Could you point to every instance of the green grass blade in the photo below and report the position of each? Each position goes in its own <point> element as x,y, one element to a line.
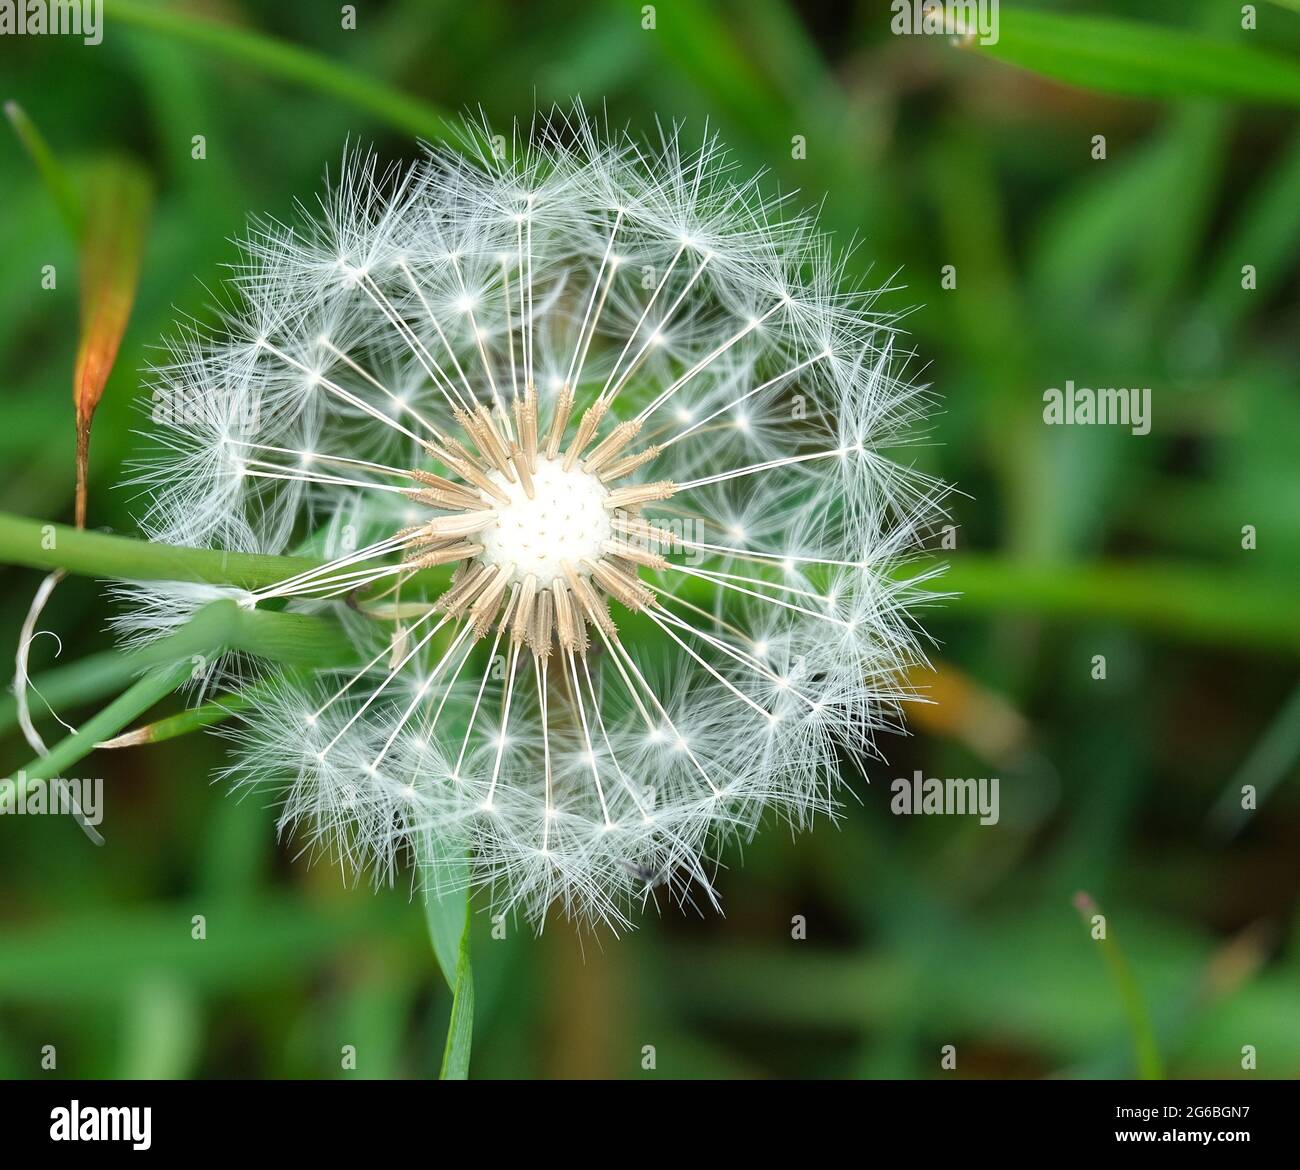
<point>83,681</point>
<point>1141,60</point>
<point>447,914</point>
<point>1266,234</point>
<point>183,722</point>
<point>39,544</point>
<point>1272,760</point>
<point>220,626</point>
<point>72,749</point>
<point>52,173</point>
<point>1203,605</point>
<point>1146,1052</point>
<point>460,1031</point>
<point>290,639</point>
<point>296,638</point>
<point>289,62</point>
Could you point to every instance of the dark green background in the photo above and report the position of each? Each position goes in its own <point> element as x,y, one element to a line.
<point>921,933</point>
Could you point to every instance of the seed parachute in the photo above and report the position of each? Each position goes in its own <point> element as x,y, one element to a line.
<point>594,443</point>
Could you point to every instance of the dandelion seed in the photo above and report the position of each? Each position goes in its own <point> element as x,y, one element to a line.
<point>614,596</point>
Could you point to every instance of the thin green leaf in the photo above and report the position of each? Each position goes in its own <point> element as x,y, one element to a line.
<point>1141,60</point>
<point>460,1030</point>
<point>294,639</point>
<point>447,913</point>
<point>1202,604</point>
<point>1145,1050</point>
<point>182,723</point>
<point>83,681</point>
<point>1207,605</point>
<point>223,625</point>
<point>1172,241</point>
<point>51,171</point>
<point>278,637</point>
<point>1265,233</point>
<point>1271,760</point>
<point>1091,231</point>
<point>289,638</point>
<point>290,63</point>
<point>72,749</point>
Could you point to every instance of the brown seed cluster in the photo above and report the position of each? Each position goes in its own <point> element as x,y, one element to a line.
<point>469,501</point>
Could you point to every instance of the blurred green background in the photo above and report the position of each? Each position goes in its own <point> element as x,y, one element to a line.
<point>1071,542</point>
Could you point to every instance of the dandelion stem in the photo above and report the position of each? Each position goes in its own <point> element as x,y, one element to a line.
<point>40,545</point>
<point>1214,607</point>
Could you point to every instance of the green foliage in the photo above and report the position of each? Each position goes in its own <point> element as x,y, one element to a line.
<point>1142,59</point>
<point>448,914</point>
<point>1072,542</point>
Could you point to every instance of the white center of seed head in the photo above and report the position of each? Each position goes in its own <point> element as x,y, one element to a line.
<point>565,520</point>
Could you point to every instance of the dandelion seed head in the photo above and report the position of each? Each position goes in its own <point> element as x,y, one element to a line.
<point>597,440</point>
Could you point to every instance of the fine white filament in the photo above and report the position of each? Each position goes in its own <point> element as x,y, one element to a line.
<point>590,440</point>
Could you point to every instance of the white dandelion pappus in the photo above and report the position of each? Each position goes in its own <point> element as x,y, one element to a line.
<point>592,442</point>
